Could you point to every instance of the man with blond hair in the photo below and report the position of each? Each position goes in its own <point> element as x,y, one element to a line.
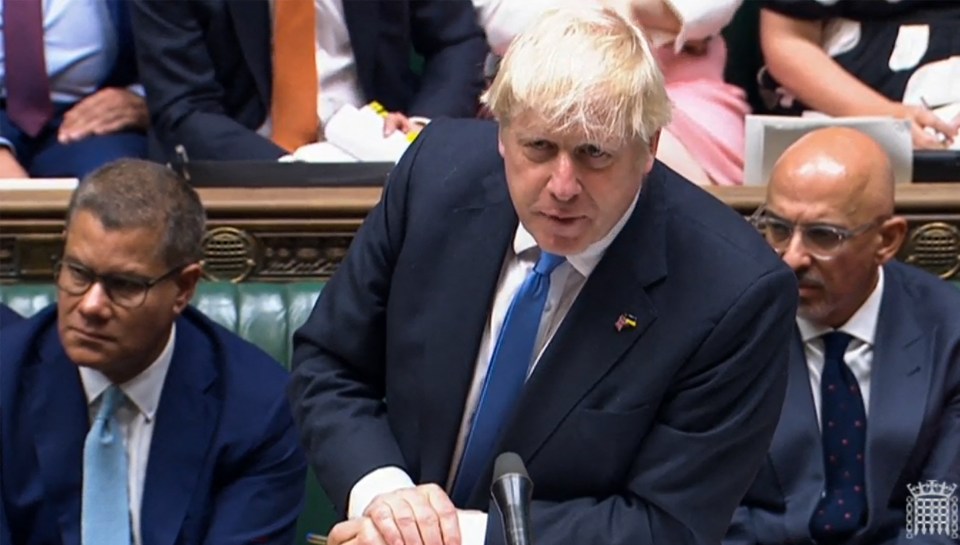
<point>567,299</point>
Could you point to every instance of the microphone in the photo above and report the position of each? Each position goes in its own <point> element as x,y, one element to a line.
<point>511,491</point>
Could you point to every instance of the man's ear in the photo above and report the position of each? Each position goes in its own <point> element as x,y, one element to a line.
<point>892,234</point>
<point>186,283</point>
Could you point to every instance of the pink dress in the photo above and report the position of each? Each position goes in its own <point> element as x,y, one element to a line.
<point>708,114</point>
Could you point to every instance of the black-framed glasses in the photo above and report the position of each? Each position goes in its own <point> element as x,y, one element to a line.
<point>822,240</point>
<point>127,291</point>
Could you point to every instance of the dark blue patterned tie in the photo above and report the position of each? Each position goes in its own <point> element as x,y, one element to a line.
<point>508,370</point>
<point>843,507</point>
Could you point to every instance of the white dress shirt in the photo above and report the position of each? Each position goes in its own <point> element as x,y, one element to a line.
<point>336,66</point>
<point>566,281</point>
<point>79,47</point>
<point>136,416</point>
<point>862,326</point>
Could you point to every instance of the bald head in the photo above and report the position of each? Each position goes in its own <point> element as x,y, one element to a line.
<point>834,187</point>
<point>837,166</point>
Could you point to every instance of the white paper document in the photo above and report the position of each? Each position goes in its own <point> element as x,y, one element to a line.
<point>354,135</point>
<point>35,184</point>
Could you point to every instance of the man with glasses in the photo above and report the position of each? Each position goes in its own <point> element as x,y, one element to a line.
<point>127,416</point>
<point>873,398</point>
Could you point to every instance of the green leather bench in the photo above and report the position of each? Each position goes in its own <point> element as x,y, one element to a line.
<point>264,314</point>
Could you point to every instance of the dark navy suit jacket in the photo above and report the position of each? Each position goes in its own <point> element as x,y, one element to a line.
<point>913,423</point>
<point>224,466</point>
<point>124,70</point>
<point>647,435</point>
<point>206,66</point>
<point>8,316</point>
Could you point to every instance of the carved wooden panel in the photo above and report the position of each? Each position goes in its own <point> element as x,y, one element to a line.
<point>286,234</point>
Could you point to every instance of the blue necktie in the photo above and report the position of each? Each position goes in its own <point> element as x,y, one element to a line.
<point>105,513</point>
<point>843,507</point>
<point>505,377</point>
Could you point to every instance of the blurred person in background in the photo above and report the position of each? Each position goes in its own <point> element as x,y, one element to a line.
<point>70,102</point>
<point>895,58</point>
<point>257,79</point>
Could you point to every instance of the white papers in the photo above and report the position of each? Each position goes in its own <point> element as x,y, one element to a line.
<point>768,136</point>
<point>354,135</point>
<point>38,184</point>
<point>320,152</point>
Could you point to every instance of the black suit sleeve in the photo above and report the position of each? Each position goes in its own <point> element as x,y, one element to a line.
<point>183,94</point>
<point>453,45</point>
<point>8,315</point>
<point>337,386</point>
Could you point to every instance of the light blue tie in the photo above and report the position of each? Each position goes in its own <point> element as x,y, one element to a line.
<point>105,513</point>
<point>505,377</point>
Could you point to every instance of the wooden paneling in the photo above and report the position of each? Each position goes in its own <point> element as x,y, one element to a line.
<point>288,233</point>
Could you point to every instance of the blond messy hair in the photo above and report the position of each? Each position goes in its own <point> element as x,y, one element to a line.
<point>586,69</point>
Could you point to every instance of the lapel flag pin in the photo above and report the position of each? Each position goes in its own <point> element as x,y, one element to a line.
<point>626,320</point>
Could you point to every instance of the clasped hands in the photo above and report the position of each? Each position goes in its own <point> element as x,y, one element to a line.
<point>423,515</point>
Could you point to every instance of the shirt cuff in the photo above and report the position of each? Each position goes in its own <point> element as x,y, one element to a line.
<point>473,524</point>
<point>379,481</point>
<point>473,527</point>
<point>137,89</point>
<point>4,143</point>
<point>699,19</point>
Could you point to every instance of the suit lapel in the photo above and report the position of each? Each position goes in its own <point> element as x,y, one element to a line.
<point>489,224</point>
<point>255,41</point>
<point>60,419</point>
<point>900,382</point>
<point>362,18</point>
<point>796,451</point>
<point>185,424</point>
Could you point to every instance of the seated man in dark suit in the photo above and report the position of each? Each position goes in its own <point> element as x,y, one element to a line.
<point>872,414</point>
<point>235,80</point>
<point>70,102</point>
<point>8,315</point>
<point>641,396</point>
<point>127,416</point>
